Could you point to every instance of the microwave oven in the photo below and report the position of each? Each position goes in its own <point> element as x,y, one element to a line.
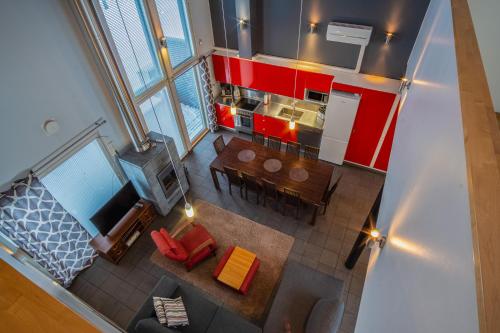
<point>315,96</point>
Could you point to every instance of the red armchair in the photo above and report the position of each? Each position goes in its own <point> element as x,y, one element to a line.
<point>193,247</point>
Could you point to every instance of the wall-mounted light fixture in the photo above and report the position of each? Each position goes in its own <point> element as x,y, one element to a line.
<point>376,238</point>
<point>388,37</point>
<point>312,27</point>
<point>405,83</point>
<point>243,23</point>
<point>163,41</point>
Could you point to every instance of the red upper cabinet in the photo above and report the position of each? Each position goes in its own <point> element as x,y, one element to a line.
<point>269,78</point>
<point>221,69</point>
<point>313,81</point>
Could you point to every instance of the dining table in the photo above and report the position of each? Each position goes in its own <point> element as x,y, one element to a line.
<point>311,178</point>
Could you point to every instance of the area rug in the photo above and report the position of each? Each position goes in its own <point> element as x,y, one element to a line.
<point>272,248</point>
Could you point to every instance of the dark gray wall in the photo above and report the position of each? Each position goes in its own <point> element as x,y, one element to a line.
<point>279,28</point>
<point>218,23</point>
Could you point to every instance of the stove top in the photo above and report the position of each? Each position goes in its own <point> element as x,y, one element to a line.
<point>247,104</point>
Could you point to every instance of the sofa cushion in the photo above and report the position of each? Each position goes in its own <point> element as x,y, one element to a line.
<point>325,316</point>
<point>227,321</point>
<point>151,325</point>
<point>164,288</point>
<point>199,308</point>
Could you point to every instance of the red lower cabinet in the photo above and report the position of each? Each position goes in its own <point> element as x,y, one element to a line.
<point>274,127</point>
<point>224,117</point>
<point>278,127</point>
<point>259,123</point>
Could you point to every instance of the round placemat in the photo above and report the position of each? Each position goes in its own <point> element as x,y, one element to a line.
<point>299,174</point>
<point>272,165</point>
<point>246,155</point>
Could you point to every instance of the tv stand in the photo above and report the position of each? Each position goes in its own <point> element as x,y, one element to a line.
<point>115,244</point>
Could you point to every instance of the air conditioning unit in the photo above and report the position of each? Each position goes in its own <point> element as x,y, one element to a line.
<point>349,33</point>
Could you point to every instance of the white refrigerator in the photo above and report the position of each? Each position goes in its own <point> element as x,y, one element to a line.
<point>339,119</point>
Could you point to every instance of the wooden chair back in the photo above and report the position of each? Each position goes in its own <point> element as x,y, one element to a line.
<point>232,175</point>
<point>311,153</point>
<point>250,181</point>
<point>292,197</point>
<point>293,148</point>
<point>274,143</point>
<point>219,144</point>
<point>269,187</point>
<point>258,138</point>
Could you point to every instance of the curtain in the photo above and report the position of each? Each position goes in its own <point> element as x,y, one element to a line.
<point>38,224</point>
<point>207,95</point>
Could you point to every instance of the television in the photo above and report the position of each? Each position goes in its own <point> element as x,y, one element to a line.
<point>111,213</point>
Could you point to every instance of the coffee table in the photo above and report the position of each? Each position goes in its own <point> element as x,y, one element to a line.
<point>237,268</point>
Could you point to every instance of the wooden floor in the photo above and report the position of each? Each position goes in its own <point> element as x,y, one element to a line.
<point>26,308</point>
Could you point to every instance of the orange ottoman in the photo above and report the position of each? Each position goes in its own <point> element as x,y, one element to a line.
<point>237,268</point>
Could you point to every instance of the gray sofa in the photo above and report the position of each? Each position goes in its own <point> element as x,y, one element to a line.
<point>307,299</point>
<point>204,315</point>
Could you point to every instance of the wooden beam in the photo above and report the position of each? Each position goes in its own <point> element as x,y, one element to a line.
<point>24,307</point>
<point>482,146</point>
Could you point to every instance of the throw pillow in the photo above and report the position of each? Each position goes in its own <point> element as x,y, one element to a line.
<point>160,310</point>
<point>325,316</point>
<point>175,312</point>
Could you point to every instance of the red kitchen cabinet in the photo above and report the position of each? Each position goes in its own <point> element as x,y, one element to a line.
<point>224,117</point>
<point>382,161</point>
<point>274,127</point>
<point>313,81</point>
<point>278,127</point>
<point>369,123</point>
<point>269,78</point>
<point>259,123</point>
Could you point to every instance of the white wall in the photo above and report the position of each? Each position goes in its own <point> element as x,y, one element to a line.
<point>201,22</point>
<point>487,25</point>
<point>423,279</point>
<point>46,72</point>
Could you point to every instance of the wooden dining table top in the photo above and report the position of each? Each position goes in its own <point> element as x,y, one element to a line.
<point>311,190</point>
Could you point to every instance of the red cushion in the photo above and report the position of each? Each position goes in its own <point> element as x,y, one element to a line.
<point>198,257</point>
<point>164,246</point>
<point>223,261</point>
<point>250,275</point>
<point>173,243</point>
<point>194,237</point>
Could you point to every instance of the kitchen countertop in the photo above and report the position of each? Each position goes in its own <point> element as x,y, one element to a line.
<point>273,109</point>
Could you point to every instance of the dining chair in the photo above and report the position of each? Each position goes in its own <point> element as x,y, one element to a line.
<point>250,183</point>
<point>274,143</point>
<point>311,153</point>
<point>291,199</point>
<point>233,178</point>
<point>293,148</point>
<point>270,191</point>
<point>219,144</point>
<point>258,138</point>
<point>327,196</point>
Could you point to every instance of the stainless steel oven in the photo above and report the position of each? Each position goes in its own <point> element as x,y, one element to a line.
<point>243,121</point>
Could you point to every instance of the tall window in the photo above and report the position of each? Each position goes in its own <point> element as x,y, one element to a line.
<point>164,85</point>
<point>83,183</point>
<point>174,24</point>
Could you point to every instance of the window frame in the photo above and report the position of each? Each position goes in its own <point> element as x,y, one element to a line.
<point>168,73</point>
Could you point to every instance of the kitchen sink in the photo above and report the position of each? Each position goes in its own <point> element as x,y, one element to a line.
<point>287,113</point>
